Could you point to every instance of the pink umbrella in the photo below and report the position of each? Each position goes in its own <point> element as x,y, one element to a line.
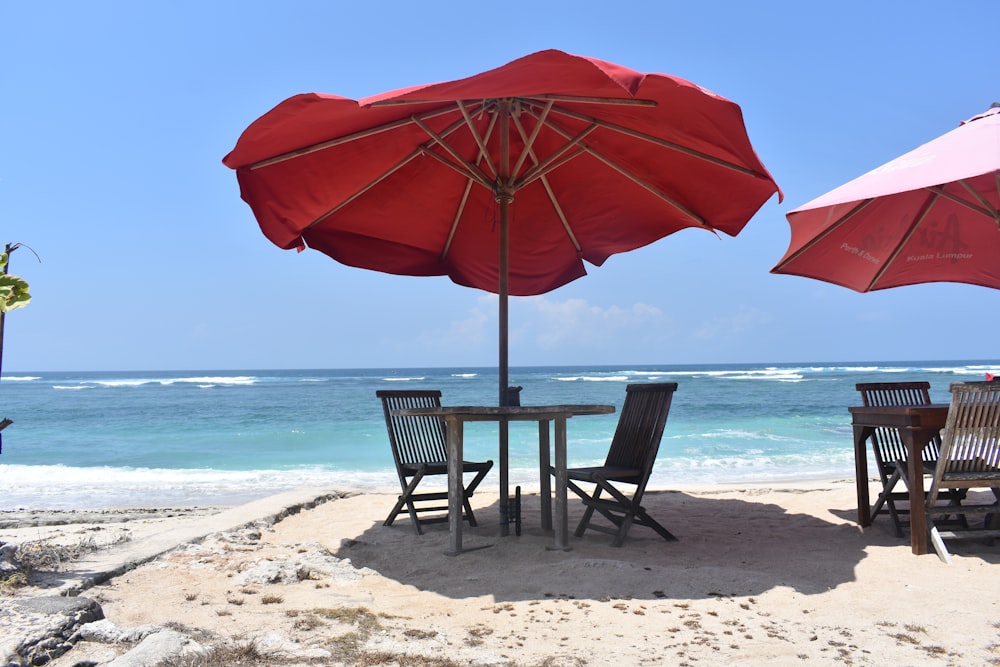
<point>931,215</point>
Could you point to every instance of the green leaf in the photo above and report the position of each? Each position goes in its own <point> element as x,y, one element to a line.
<point>13,291</point>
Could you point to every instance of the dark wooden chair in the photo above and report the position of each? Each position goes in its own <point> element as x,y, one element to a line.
<point>629,463</point>
<point>969,459</point>
<point>419,450</point>
<point>888,448</point>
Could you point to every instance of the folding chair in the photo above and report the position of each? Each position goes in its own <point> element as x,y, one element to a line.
<point>890,454</point>
<point>629,462</point>
<point>419,450</point>
<point>969,458</point>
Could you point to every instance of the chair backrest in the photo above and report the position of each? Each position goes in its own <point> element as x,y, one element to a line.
<point>640,426</point>
<point>886,441</point>
<point>417,439</point>
<point>970,446</point>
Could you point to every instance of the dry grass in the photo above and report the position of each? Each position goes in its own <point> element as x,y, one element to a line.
<point>48,555</point>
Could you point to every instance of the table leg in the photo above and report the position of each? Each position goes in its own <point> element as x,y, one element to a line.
<point>861,435</point>
<point>504,480</point>
<point>455,489</point>
<point>915,442</point>
<point>562,515</point>
<point>544,477</point>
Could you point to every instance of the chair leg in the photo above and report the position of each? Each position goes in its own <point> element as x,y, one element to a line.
<point>643,519</point>
<point>622,513</point>
<point>885,498</point>
<point>587,513</point>
<point>470,517</point>
<point>406,499</point>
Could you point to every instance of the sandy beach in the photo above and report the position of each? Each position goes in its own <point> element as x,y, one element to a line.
<point>777,574</point>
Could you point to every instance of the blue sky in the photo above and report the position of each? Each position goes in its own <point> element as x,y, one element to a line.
<point>116,115</point>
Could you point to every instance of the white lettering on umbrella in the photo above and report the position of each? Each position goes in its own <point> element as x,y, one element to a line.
<point>953,256</point>
<point>860,252</point>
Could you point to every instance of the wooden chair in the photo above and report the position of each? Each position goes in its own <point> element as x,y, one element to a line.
<point>419,450</point>
<point>969,459</point>
<point>629,462</point>
<point>890,454</point>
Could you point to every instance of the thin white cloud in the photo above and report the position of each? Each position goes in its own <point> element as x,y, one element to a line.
<point>734,325</point>
<point>577,323</point>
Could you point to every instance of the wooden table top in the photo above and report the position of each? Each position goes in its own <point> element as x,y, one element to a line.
<point>933,415</point>
<point>513,412</point>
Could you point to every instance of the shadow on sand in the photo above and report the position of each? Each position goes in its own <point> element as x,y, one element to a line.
<point>740,546</point>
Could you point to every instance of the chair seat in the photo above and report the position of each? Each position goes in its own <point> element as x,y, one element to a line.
<point>441,467</point>
<point>611,473</point>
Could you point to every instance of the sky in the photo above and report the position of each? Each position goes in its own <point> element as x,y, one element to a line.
<point>115,116</point>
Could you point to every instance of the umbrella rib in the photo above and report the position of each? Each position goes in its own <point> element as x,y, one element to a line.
<point>826,232</point>
<point>632,177</point>
<point>454,222</point>
<point>480,141</point>
<point>421,150</point>
<point>465,195</point>
<point>463,167</point>
<point>660,142</point>
<point>649,186</point>
<point>530,151</point>
<point>906,238</point>
<point>988,209</point>
<point>399,165</point>
<point>557,159</point>
<point>529,142</point>
<point>344,140</point>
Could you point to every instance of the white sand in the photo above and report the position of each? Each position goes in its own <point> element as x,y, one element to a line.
<point>760,575</point>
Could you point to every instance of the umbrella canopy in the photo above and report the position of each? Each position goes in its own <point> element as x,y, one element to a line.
<point>930,215</point>
<point>506,181</point>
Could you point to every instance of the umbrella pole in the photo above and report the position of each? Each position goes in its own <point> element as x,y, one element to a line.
<point>504,198</point>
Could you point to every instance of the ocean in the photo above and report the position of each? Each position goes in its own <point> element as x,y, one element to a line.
<point>204,438</point>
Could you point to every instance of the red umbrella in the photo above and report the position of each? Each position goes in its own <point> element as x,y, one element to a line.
<point>505,181</point>
<point>931,215</point>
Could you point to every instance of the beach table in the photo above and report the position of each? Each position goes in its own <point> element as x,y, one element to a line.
<point>917,424</point>
<point>455,418</point>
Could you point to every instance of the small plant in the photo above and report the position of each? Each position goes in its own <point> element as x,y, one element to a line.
<point>307,623</point>
<point>240,653</point>
<point>12,582</point>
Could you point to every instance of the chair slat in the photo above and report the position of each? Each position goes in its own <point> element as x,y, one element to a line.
<point>969,458</point>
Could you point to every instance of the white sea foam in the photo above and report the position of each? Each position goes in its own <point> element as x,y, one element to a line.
<point>405,379</point>
<point>121,383</point>
<point>221,379</point>
<point>594,378</point>
<point>20,378</point>
<point>66,487</point>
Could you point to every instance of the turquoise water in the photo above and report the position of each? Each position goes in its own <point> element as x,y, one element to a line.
<point>117,439</point>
